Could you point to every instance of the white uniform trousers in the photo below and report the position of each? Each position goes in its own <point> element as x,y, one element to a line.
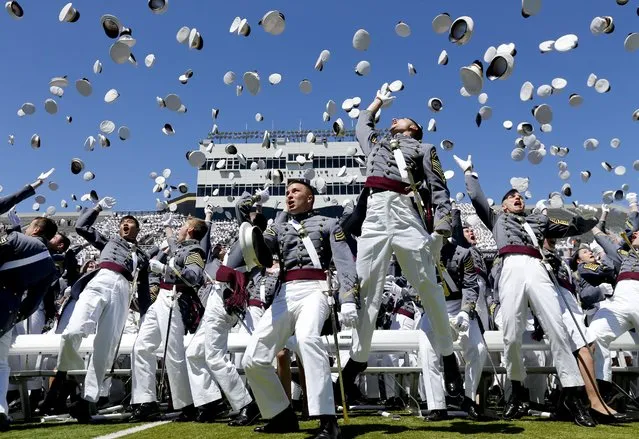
<point>474,354</point>
<point>393,225</point>
<point>301,308</point>
<point>252,316</point>
<point>524,280</point>
<point>65,315</point>
<point>5,370</point>
<point>208,366</point>
<point>151,336</point>
<point>578,330</point>
<point>102,308</point>
<point>615,316</point>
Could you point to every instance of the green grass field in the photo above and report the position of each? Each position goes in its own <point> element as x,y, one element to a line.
<point>364,427</point>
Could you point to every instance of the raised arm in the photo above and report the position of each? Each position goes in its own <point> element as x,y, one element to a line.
<point>611,248</point>
<point>7,202</point>
<point>479,201</point>
<point>458,229</point>
<point>84,228</point>
<point>470,285</point>
<point>577,226</point>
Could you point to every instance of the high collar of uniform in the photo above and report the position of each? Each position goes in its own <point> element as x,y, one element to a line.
<point>301,216</point>
<point>189,242</point>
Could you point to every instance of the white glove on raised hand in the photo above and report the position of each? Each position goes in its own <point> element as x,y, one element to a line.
<point>262,196</point>
<point>208,210</point>
<point>167,219</point>
<point>464,165</point>
<point>607,289</point>
<point>348,314</point>
<point>46,174</point>
<point>384,95</point>
<point>157,266</point>
<point>394,289</point>
<point>106,203</point>
<point>605,208</point>
<point>462,321</point>
<point>541,207</point>
<point>14,219</point>
<point>631,198</point>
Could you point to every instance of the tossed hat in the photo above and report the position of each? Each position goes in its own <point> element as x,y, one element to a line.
<point>88,176</point>
<point>446,145</point>
<point>544,90</point>
<point>631,43</point>
<point>435,104</point>
<point>111,96</point>
<point>566,190</point>
<point>77,165</point>
<point>526,92</point>
<point>620,170</point>
<point>524,128</point>
<point>566,43</point>
<point>441,23</point>
<point>84,87</point>
<point>195,40</point>
<point>69,14</point>
<point>56,91</point>
<point>361,39</point>
<point>542,113</point>
<point>254,250</point>
<point>230,149</point>
<point>591,144</point>
<point>168,129</point>
<point>50,106</point>
<point>89,143</point>
<point>363,68</point>
<point>124,133</point>
<point>149,60</point>
<point>97,67</point>
<point>635,115</point>
<point>273,22</point>
<point>338,127</point>
<point>518,154</point>
<point>602,25</point>
<point>615,142</point>
<point>53,186</point>
<point>484,113</point>
<point>411,70</point>
<point>120,52</point>
<point>184,77</point>
<point>111,26</point>
<point>274,78</point>
<point>14,9</point>
<point>172,102</point>
<point>585,175</point>
<point>472,77</point>
<point>305,86</point>
<point>107,126</point>
<point>35,141</point>
<point>530,7</point>
<point>507,124</point>
<point>461,30</point>
<point>575,100</point>
<point>602,85</point>
<point>442,60</point>
<point>104,141</point>
<point>545,128</point>
<point>252,82</point>
<point>158,6</point>
<point>402,29</point>
<point>606,166</point>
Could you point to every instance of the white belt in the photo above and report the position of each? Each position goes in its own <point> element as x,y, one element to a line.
<point>10,265</point>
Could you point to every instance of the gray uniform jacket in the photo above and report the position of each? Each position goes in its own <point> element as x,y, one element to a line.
<point>508,228</point>
<point>330,243</point>
<point>35,277</point>
<point>625,261</point>
<point>459,265</point>
<point>591,276</point>
<point>114,250</point>
<point>258,278</point>
<point>380,162</point>
<point>188,260</point>
<point>7,202</point>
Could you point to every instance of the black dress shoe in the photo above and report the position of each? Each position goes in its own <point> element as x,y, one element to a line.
<point>82,410</point>
<point>606,418</point>
<point>515,408</point>
<point>188,414</point>
<point>349,374</point>
<point>211,411</point>
<point>328,428</point>
<point>146,411</point>
<point>452,377</point>
<point>249,414</point>
<point>469,406</point>
<point>284,422</point>
<point>574,404</point>
<point>437,415</point>
<point>4,422</point>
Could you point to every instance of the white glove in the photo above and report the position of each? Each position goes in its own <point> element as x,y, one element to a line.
<point>605,208</point>
<point>384,95</point>
<point>631,198</point>
<point>157,266</point>
<point>167,219</point>
<point>46,174</point>
<point>541,207</point>
<point>607,289</point>
<point>262,197</point>
<point>462,321</point>
<point>14,219</point>
<point>106,203</point>
<point>348,315</point>
<point>394,289</point>
<point>208,210</point>
<point>464,165</point>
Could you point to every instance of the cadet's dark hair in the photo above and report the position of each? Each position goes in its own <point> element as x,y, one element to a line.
<point>130,217</point>
<point>66,242</point>
<point>48,228</point>
<point>418,134</point>
<point>508,194</point>
<point>200,228</point>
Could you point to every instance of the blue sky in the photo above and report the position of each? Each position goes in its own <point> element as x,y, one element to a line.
<point>39,47</point>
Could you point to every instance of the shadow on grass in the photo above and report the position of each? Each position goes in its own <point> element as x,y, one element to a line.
<point>461,427</point>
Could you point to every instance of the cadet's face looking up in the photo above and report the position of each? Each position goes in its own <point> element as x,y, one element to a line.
<point>128,230</point>
<point>299,198</point>
<point>514,203</point>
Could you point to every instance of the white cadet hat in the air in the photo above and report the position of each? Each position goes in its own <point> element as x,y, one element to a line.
<point>273,22</point>
<point>461,30</point>
<point>158,6</point>
<point>361,39</point>
<point>69,14</point>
